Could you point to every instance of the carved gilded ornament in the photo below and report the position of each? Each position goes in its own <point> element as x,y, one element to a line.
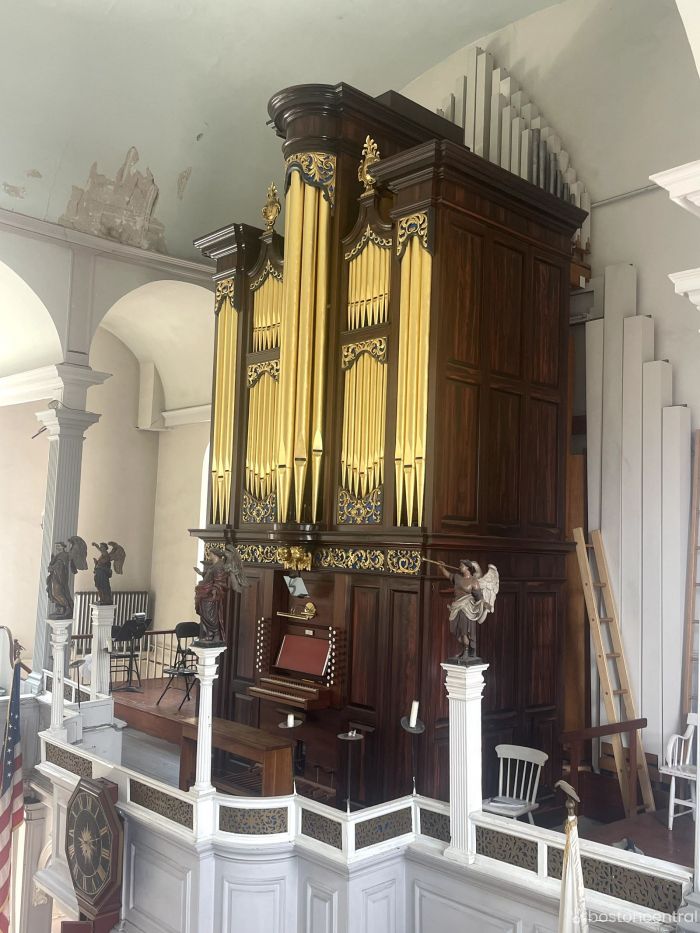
<point>368,236</point>
<point>225,288</point>
<point>317,169</point>
<point>268,270</point>
<point>256,370</point>
<point>272,207</point>
<point>376,347</point>
<point>364,510</point>
<point>370,155</point>
<point>259,511</point>
<point>258,553</point>
<point>294,558</point>
<point>412,225</point>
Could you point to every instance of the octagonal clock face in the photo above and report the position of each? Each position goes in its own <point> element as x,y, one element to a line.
<point>89,845</point>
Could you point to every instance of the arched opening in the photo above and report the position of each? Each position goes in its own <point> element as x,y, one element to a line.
<point>29,335</point>
<point>142,469</point>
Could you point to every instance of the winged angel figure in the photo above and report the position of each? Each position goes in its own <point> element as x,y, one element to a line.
<point>112,555</point>
<point>475,598</point>
<point>223,571</point>
<point>66,561</point>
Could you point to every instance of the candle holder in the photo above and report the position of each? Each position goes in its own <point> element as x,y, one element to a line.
<point>299,763</point>
<point>350,737</point>
<point>414,732</point>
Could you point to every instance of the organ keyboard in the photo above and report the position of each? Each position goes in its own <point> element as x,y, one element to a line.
<point>300,694</point>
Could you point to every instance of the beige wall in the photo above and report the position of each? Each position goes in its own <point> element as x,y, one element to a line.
<point>118,485</point>
<point>178,493</point>
<point>23,463</point>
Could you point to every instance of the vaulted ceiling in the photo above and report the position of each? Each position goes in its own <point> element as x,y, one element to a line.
<point>181,86</point>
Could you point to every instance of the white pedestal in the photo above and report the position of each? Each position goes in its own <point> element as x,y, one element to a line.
<point>60,629</point>
<point>34,914</point>
<point>207,665</point>
<point>465,686</point>
<point>102,622</point>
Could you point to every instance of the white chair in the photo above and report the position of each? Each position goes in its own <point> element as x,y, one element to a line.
<point>518,780</point>
<point>680,764</point>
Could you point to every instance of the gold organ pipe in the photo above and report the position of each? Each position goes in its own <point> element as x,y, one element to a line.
<point>318,397</point>
<point>264,426</point>
<point>422,379</point>
<point>372,419</point>
<point>411,401</point>
<point>382,424</point>
<point>230,349</point>
<point>351,291</point>
<point>289,330</point>
<point>304,358</point>
<point>223,460</point>
<point>344,440</point>
<point>351,377</point>
<point>404,336</point>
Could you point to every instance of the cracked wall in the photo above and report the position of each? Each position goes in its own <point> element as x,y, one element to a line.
<point>119,209</point>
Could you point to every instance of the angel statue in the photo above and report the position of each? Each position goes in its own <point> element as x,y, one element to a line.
<point>66,561</point>
<point>102,571</point>
<point>223,571</point>
<point>475,597</point>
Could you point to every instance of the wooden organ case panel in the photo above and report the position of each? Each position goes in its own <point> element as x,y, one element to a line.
<point>397,391</point>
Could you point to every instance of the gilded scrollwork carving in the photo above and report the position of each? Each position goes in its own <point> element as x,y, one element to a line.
<point>259,511</point>
<point>294,558</point>
<point>410,226</point>
<point>370,156</point>
<point>272,207</point>
<point>403,561</point>
<point>317,169</point>
<point>376,347</point>
<point>256,370</point>
<point>360,510</point>
<point>368,236</point>
<point>268,270</point>
<point>258,553</point>
<point>225,288</point>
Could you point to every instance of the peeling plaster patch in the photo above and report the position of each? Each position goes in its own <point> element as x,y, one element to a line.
<point>119,210</point>
<point>33,173</point>
<point>182,180</point>
<point>14,191</point>
<point>199,136</point>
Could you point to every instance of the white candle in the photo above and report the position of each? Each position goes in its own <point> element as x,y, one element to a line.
<point>290,720</point>
<point>414,714</point>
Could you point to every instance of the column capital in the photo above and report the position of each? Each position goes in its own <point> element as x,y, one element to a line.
<point>207,660</point>
<point>464,681</point>
<point>66,422</point>
<point>59,629</point>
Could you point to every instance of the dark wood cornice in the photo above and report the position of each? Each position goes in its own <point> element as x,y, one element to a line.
<point>233,238</point>
<point>439,160</point>
<point>322,107</point>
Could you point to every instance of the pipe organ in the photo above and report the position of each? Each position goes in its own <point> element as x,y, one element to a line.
<point>390,385</point>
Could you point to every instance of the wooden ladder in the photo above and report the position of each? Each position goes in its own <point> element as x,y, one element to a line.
<point>690,639</point>
<point>610,660</point>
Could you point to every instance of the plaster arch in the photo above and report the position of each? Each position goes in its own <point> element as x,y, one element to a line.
<point>29,335</point>
<point>169,327</point>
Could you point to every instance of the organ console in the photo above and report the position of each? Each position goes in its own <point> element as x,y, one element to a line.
<point>390,384</point>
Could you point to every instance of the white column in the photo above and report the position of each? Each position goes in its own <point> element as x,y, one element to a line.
<point>620,302</point>
<point>465,685</point>
<point>60,629</point>
<point>102,622</point>
<point>34,914</point>
<point>207,665</point>
<point>65,429</point>
<point>638,349</point>
<point>657,394</point>
<point>675,505</point>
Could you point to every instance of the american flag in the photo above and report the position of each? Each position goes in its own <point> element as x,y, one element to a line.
<point>11,799</point>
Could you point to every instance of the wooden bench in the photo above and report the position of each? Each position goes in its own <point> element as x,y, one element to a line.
<point>274,753</point>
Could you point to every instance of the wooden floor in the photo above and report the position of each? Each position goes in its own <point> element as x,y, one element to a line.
<point>139,710</point>
<point>649,832</point>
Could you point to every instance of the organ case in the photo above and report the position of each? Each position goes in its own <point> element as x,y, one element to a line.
<point>397,390</point>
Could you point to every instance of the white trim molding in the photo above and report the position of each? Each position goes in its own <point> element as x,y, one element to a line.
<point>688,284</point>
<point>64,381</point>
<point>185,269</point>
<point>682,184</point>
<point>195,414</point>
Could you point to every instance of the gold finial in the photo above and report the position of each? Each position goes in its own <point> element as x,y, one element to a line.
<point>272,208</point>
<point>370,155</point>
